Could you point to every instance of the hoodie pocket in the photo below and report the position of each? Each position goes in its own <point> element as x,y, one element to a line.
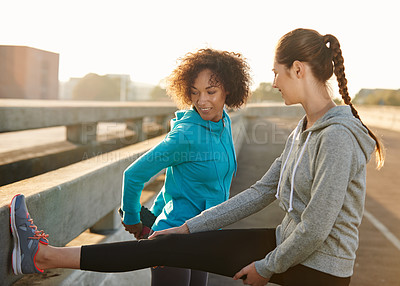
<point>288,226</point>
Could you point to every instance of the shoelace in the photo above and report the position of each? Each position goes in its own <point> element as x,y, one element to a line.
<point>38,233</point>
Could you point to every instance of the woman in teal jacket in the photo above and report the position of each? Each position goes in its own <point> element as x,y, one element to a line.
<point>198,152</point>
<point>199,158</point>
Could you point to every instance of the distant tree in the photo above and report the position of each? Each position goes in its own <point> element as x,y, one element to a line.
<point>96,87</point>
<point>392,98</point>
<point>159,94</point>
<point>378,97</point>
<point>265,92</point>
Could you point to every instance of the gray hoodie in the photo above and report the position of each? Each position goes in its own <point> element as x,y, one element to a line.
<point>320,181</point>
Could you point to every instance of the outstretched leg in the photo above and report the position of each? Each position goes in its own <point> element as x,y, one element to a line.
<point>58,257</point>
<point>222,252</point>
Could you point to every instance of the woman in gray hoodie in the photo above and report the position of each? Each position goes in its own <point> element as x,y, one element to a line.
<point>319,180</point>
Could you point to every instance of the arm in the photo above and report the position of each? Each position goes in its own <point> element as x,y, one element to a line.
<point>328,191</point>
<point>167,153</point>
<point>244,204</point>
<point>240,206</point>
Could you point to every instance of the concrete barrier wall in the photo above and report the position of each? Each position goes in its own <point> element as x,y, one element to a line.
<point>387,117</point>
<point>21,114</point>
<point>81,120</point>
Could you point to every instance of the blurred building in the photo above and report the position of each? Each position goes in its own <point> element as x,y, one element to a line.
<point>67,88</point>
<point>141,91</point>
<point>124,84</point>
<point>28,73</point>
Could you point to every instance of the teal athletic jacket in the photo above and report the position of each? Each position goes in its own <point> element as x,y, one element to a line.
<point>200,161</point>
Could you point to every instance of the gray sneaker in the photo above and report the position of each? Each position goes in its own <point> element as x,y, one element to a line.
<point>26,238</point>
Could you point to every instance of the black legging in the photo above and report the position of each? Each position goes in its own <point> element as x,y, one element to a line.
<point>223,252</point>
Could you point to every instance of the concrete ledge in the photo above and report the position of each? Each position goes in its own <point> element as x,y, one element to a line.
<point>28,162</point>
<point>30,114</point>
<point>387,117</point>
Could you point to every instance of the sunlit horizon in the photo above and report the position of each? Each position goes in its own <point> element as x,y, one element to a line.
<point>144,39</point>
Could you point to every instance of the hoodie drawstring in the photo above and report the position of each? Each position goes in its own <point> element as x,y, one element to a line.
<point>287,158</point>
<point>295,167</point>
<point>294,173</point>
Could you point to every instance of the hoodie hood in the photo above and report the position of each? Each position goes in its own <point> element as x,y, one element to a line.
<point>191,116</point>
<point>342,115</point>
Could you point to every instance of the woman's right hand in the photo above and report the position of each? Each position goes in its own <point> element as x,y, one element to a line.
<point>135,229</point>
<point>183,229</point>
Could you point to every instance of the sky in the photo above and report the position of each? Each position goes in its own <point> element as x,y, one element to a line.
<point>145,38</point>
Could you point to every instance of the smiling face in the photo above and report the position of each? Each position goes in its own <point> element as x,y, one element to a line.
<point>208,96</point>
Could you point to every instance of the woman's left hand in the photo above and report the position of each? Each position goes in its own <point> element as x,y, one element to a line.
<point>251,276</point>
<point>183,229</point>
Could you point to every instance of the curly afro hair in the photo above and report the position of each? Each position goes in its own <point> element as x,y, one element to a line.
<point>230,70</point>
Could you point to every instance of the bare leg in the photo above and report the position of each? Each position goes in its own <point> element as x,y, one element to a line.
<point>58,257</point>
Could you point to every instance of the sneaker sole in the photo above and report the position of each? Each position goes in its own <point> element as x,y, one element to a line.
<point>16,254</point>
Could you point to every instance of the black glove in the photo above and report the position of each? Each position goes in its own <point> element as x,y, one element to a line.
<point>146,216</point>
